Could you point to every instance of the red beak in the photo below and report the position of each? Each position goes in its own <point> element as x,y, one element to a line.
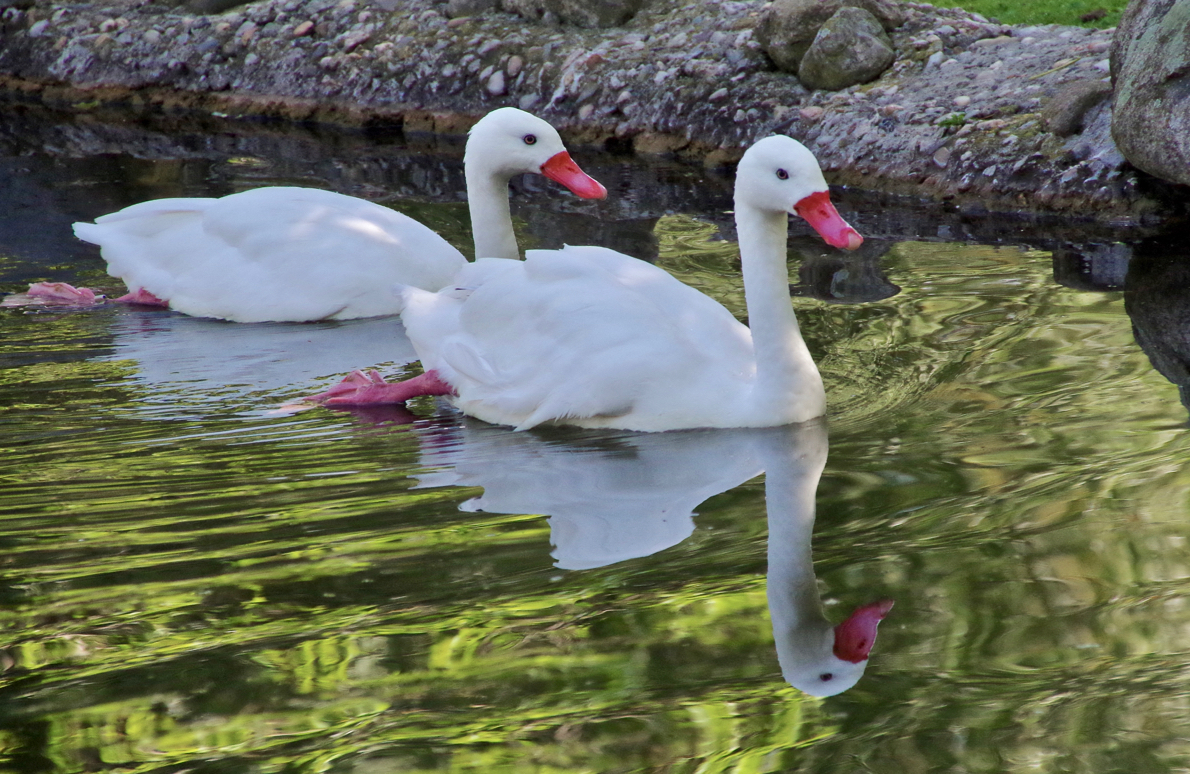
<point>855,637</point>
<point>817,210</point>
<point>562,169</point>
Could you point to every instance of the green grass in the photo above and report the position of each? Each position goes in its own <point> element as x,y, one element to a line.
<point>1068,12</point>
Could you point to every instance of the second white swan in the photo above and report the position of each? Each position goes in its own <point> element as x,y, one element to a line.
<point>283,253</point>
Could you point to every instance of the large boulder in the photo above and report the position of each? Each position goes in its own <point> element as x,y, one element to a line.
<point>579,13</point>
<point>1150,63</point>
<point>786,28</point>
<point>850,48</point>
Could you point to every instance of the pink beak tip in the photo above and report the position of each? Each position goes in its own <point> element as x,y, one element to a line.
<point>880,606</point>
<point>589,188</point>
<point>854,240</point>
<point>817,210</point>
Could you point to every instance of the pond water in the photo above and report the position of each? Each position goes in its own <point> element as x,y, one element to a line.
<point>192,581</point>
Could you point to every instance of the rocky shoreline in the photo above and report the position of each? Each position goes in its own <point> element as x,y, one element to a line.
<point>970,112</point>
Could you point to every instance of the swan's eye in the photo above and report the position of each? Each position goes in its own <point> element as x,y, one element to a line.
<point>825,677</point>
<point>782,174</point>
<point>530,139</point>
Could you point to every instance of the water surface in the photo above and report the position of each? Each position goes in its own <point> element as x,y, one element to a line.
<point>193,581</point>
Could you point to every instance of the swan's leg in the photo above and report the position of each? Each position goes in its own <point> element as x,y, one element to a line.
<point>142,297</point>
<point>361,389</point>
<point>65,293</point>
<point>62,293</point>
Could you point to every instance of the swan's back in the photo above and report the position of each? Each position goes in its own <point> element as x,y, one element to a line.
<point>276,253</point>
<point>584,334</point>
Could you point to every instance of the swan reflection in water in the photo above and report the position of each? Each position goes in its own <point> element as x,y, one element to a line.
<point>609,496</point>
<point>615,497</point>
<point>184,360</point>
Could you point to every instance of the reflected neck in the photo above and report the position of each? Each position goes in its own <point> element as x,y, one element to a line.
<point>793,461</point>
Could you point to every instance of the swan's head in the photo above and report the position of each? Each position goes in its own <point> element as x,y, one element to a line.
<point>824,663</point>
<point>780,174</point>
<point>509,142</point>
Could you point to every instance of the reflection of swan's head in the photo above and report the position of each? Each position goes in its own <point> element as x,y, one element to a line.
<point>816,657</point>
<point>509,142</point>
<point>829,661</point>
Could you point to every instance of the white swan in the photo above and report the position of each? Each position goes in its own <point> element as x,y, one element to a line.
<point>588,336</point>
<point>296,254</point>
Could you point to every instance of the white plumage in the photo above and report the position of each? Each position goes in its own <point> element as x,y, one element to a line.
<point>276,253</point>
<point>590,337</point>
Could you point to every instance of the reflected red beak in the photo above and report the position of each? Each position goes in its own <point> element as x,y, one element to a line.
<point>817,210</point>
<point>562,169</point>
<point>855,637</point>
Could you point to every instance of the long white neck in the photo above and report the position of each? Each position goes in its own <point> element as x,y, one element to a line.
<point>793,458</point>
<point>787,384</point>
<point>491,218</point>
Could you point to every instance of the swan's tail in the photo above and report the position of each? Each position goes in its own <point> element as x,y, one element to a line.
<point>400,291</point>
<point>409,296</point>
<point>88,232</point>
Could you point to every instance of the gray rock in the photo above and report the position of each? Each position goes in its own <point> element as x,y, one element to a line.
<point>1150,62</point>
<point>579,13</point>
<point>495,84</point>
<point>1063,114</point>
<point>850,48</point>
<point>786,28</point>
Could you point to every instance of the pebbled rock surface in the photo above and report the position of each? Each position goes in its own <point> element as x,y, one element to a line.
<point>581,13</point>
<point>956,117</point>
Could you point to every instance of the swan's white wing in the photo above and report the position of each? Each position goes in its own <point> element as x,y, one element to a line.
<point>276,253</point>
<point>583,333</point>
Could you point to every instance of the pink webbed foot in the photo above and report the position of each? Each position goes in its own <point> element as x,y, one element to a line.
<point>354,382</point>
<point>63,293</point>
<point>54,294</point>
<point>142,297</point>
<point>370,389</point>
